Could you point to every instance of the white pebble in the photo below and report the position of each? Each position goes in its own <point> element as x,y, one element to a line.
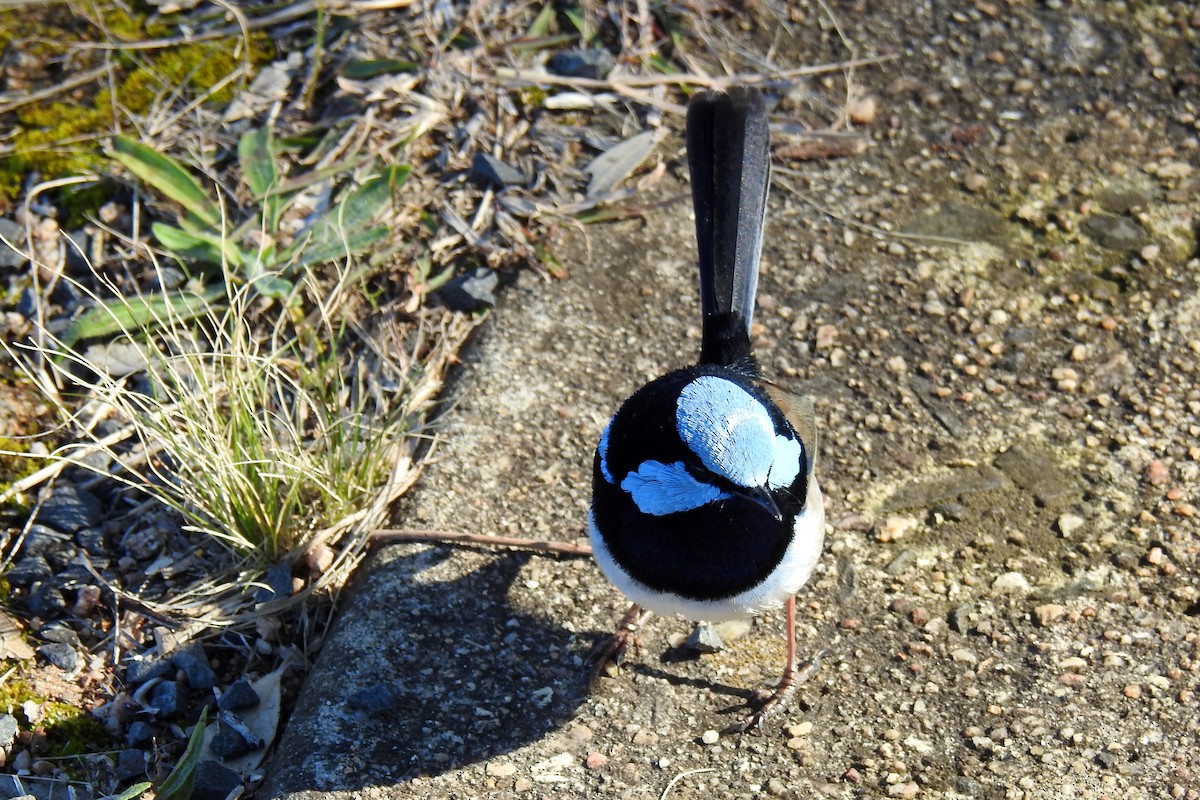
<point>1011,582</point>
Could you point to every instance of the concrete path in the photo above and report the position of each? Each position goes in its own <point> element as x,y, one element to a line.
<point>1009,452</point>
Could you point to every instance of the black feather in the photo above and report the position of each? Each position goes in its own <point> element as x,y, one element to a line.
<point>730,160</point>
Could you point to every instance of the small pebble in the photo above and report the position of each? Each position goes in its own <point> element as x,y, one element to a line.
<point>896,527</point>
<point>1069,523</point>
<point>710,737</point>
<point>1011,582</point>
<point>501,769</point>
<point>862,110</point>
<point>1157,473</point>
<point>595,760</point>
<point>826,336</point>
<point>800,728</point>
<point>1048,613</point>
<point>975,182</point>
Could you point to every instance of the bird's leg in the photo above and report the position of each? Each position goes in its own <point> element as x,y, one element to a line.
<point>609,653</point>
<point>793,676</point>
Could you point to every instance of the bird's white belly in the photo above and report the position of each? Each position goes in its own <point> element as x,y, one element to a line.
<point>792,572</point>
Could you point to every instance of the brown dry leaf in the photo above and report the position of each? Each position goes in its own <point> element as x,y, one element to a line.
<point>12,639</point>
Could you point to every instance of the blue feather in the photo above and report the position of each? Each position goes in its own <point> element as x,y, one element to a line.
<point>602,450</point>
<point>728,429</point>
<point>785,463</point>
<point>659,489</point>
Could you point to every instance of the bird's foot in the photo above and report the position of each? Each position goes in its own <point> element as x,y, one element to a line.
<point>776,700</point>
<point>609,654</point>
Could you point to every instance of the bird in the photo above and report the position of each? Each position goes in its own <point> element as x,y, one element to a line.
<point>705,502</point>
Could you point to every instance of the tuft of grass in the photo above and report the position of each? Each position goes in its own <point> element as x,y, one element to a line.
<point>274,439</point>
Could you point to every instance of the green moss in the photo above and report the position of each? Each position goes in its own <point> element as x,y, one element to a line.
<point>13,467</point>
<point>70,731</point>
<point>62,137</point>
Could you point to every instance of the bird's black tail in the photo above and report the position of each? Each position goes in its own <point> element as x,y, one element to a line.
<point>730,160</point>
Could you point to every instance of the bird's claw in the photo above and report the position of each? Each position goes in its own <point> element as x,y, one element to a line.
<point>779,698</point>
<point>610,653</point>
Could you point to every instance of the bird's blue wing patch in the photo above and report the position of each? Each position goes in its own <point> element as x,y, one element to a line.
<point>727,428</point>
<point>785,465</point>
<point>659,489</point>
<point>602,450</point>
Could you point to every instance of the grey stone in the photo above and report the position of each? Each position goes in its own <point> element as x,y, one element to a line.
<point>57,548</point>
<point>936,406</point>
<point>59,632</point>
<point>77,246</point>
<point>47,601</point>
<point>131,765</point>
<point>139,733</point>
<point>143,669</point>
<point>60,655</point>
<point>214,781</point>
<point>92,540</point>
<point>28,570</point>
<point>471,291</point>
<point>239,695</point>
<point>963,221</point>
<point>69,509</point>
<point>594,63</point>
<point>27,303</point>
<point>14,233</point>
<point>165,699</point>
<point>376,699</point>
<point>951,512</point>
<point>227,744</point>
<point>487,170</point>
<point>142,543</point>
<point>960,619</point>
<point>278,582</point>
<point>234,737</point>
<point>705,639</point>
<point>1115,232</point>
<point>8,730</point>
<point>194,664</point>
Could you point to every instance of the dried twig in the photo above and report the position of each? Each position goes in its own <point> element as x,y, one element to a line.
<point>392,535</point>
<point>823,147</point>
<point>617,81</point>
<point>11,101</point>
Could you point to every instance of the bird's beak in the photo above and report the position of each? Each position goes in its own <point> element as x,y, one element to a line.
<point>760,496</point>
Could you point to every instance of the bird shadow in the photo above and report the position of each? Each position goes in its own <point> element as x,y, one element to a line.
<point>423,675</point>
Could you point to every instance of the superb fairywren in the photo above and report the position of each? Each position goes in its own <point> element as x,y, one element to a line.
<point>704,501</point>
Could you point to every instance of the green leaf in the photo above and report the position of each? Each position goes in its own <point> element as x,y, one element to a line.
<point>273,286</point>
<point>364,205</point>
<point>362,70</point>
<point>167,176</point>
<point>318,252</point>
<point>178,785</point>
<point>343,230</point>
<point>201,246</point>
<point>257,161</point>
<point>576,17</point>
<point>133,792</point>
<point>121,315</point>
<point>541,23</point>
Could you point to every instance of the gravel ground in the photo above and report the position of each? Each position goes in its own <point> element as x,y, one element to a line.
<point>1010,453</point>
